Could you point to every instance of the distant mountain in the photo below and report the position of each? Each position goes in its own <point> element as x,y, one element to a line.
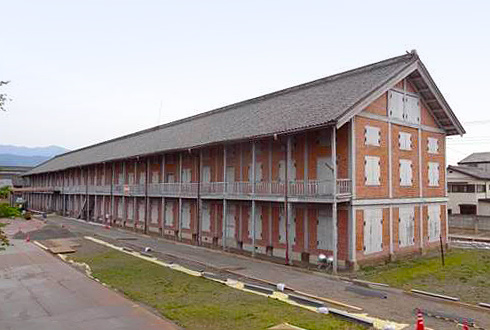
<point>49,151</point>
<point>16,160</point>
<point>26,156</point>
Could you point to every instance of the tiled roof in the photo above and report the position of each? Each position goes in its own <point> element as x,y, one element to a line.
<point>477,157</point>
<point>318,103</point>
<point>475,172</point>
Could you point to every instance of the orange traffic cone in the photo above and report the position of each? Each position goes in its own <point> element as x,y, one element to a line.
<point>465,325</point>
<point>28,238</point>
<point>420,321</point>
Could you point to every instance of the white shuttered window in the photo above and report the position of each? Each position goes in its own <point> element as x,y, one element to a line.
<point>169,214</point>
<point>433,174</point>
<point>395,105</point>
<point>406,176</point>
<point>412,109</point>
<point>372,136</point>
<point>373,230</point>
<point>432,145</point>
<point>186,215</point>
<point>324,227</point>
<point>404,107</point>
<point>372,171</point>
<point>405,141</point>
<point>434,212</point>
<point>406,226</point>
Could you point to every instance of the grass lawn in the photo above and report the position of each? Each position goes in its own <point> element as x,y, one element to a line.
<point>466,274</point>
<point>194,302</point>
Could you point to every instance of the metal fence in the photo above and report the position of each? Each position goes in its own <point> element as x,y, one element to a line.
<point>469,221</point>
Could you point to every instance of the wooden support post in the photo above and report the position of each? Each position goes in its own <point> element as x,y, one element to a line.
<point>334,206</point>
<point>112,196</point>
<point>125,211</point>
<point>147,199</point>
<point>287,205</point>
<point>162,181</point>
<point>253,199</point>
<point>225,190</point>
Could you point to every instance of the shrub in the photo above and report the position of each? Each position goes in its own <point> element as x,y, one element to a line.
<point>7,211</point>
<point>4,192</point>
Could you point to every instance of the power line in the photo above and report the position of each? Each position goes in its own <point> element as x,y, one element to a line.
<point>477,122</point>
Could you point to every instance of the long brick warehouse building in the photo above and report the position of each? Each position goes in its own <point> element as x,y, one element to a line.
<point>351,165</point>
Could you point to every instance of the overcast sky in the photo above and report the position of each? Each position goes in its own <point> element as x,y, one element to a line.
<point>83,72</point>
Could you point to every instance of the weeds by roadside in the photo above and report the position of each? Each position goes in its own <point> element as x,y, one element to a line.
<point>195,302</point>
<point>6,211</point>
<point>4,241</point>
<point>465,274</point>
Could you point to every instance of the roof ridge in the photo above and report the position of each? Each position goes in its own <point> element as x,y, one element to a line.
<point>410,55</point>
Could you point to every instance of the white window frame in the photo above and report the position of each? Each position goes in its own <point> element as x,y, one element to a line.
<point>432,145</point>
<point>433,174</point>
<point>406,226</point>
<point>372,171</point>
<point>372,136</point>
<point>395,105</point>
<point>434,222</point>
<point>404,106</point>
<point>373,230</point>
<point>405,141</point>
<point>206,218</point>
<point>186,215</point>
<point>406,173</point>
<point>324,227</point>
<point>411,108</point>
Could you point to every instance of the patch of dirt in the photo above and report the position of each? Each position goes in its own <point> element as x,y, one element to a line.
<point>47,232</point>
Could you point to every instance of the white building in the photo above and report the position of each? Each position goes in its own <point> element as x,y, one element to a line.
<point>469,185</point>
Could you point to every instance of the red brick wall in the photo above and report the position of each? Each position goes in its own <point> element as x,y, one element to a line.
<point>343,151</point>
<point>397,154</point>
<point>426,118</point>
<point>343,234</point>
<point>360,236</point>
<point>379,106</point>
<point>362,150</point>
<point>428,191</point>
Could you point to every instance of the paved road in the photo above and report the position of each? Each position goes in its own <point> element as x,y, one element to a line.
<point>39,291</point>
<point>398,306</point>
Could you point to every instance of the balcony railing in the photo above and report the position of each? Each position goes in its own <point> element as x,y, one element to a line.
<point>212,188</point>
<point>78,189</point>
<point>239,188</point>
<point>274,188</point>
<point>311,188</point>
<point>344,186</point>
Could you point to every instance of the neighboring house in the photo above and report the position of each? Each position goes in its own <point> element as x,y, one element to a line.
<point>352,165</point>
<point>480,160</point>
<point>469,185</point>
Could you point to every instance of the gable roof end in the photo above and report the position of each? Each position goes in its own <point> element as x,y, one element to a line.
<point>416,73</point>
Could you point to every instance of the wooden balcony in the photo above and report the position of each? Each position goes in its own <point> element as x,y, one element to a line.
<point>296,189</point>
